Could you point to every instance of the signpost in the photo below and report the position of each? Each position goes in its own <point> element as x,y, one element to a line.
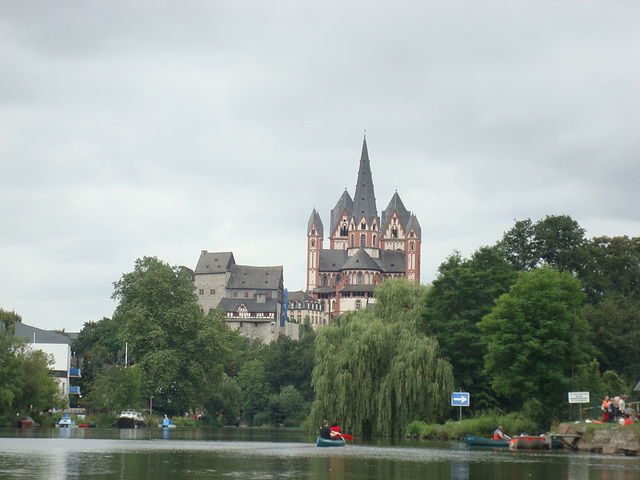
<point>579,397</point>
<point>460,399</point>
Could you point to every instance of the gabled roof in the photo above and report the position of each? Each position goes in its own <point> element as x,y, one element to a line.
<point>364,200</point>
<point>395,205</point>
<point>345,203</point>
<point>259,278</point>
<point>214,262</point>
<point>314,219</point>
<point>361,261</point>
<point>37,335</point>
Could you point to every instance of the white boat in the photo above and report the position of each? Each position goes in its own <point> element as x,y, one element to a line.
<point>130,419</point>
<point>66,422</point>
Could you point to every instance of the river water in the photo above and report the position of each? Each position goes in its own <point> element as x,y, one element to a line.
<point>191,453</point>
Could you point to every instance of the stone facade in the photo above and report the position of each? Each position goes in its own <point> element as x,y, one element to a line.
<point>251,297</point>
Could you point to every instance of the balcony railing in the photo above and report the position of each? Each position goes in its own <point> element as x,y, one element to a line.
<point>75,372</point>
<point>74,389</point>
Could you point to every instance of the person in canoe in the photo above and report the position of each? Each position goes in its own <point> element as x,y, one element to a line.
<point>326,433</point>
<point>336,429</point>
<point>499,434</point>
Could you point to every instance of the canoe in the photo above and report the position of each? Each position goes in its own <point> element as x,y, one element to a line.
<point>484,442</point>
<point>525,442</point>
<point>330,442</point>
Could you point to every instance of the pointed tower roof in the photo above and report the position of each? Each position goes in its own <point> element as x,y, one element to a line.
<point>413,223</point>
<point>364,200</point>
<point>395,205</point>
<point>345,203</point>
<point>314,219</point>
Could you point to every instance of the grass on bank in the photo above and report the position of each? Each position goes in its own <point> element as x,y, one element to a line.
<point>480,426</point>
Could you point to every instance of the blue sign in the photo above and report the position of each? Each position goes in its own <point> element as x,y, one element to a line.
<point>460,399</point>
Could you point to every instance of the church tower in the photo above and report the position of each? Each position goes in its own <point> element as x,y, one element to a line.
<point>314,245</point>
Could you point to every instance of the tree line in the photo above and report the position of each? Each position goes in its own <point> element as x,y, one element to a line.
<point>520,323</point>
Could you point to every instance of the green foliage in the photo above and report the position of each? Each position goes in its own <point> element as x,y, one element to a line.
<point>255,389</point>
<point>615,331</point>
<point>9,319</point>
<point>181,352</point>
<point>103,333</point>
<point>375,374</point>
<point>463,293</point>
<point>479,426</point>
<point>287,404</point>
<point>612,268</point>
<point>25,384</point>
<point>530,340</point>
<point>118,388</point>
<point>555,241</point>
<point>223,406</point>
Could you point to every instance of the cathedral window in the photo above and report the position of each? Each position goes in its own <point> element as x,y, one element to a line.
<point>313,243</point>
<point>343,230</point>
<point>374,241</point>
<point>353,241</point>
<point>363,240</point>
<point>411,246</point>
<point>394,232</point>
<point>363,226</point>
<point>324,281</point>
<point>338,279</point>
<point>359,278</point>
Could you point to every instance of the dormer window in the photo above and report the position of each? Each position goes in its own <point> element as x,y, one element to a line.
<point>363,226</point>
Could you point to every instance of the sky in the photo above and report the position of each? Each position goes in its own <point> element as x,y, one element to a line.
<point>164,128</point>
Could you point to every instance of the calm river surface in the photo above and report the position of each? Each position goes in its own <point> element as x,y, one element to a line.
<point>190,453</point>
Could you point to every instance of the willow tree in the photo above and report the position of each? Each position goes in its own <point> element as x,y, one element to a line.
<point>375,372</point>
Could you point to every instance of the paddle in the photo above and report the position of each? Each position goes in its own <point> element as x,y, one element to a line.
<point>347,436</point>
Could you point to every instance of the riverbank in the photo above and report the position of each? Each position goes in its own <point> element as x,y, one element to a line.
<point>608,439</point>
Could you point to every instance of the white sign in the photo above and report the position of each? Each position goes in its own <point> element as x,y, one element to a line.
<point>578,397</point>
<point>460,399</point>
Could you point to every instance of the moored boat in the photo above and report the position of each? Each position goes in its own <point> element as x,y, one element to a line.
<point>66,422</point>
<point>484,442</point>
<point>27,422</point>
<point>527,442</point>
<point>331,442</point>
<point>130,419</point>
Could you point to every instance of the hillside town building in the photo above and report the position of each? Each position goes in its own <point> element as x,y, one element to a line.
<point>364,248</point>
<point>302,308</point>
<point>253,298</point>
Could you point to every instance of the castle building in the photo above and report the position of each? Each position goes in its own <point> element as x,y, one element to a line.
<point>251,297</point>
<point>303,308</point>
<point>364,248</point>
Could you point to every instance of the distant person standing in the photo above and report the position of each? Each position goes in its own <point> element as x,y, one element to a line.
<point>605,409</point>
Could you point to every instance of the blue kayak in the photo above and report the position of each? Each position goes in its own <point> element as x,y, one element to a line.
<point>329,442</point>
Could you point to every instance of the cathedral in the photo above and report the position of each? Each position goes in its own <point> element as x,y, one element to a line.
<point>364,249</point>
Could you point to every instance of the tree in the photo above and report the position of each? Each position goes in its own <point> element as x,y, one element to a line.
<point>254,388</point>
<point>180,351</point>
<point>103,333</point>
<point>375,372</point>
<point>462,294</point>
<point>555,241</point>
<point>9,318</point>
<point>25,383</point>
<point>118,388</point>
<point>612,268</point>
<point>530,335</point>
<point>615,331</point>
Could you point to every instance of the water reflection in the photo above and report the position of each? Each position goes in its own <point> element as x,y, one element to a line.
<point>184,453</point>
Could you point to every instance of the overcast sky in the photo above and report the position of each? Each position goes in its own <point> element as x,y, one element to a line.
<point>133,128</point>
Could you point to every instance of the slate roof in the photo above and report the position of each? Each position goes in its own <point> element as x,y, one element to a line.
<point>331,260</point>
<point>315,219</point>
<point>361,261</point>
<point>214,262</point>
<point>264,278</point>
<point>270,305</point>
<point>395,205</point>
<point>413,222</point>
<point>344,203</point>
<point>392,261</point>
<point>364,200</point>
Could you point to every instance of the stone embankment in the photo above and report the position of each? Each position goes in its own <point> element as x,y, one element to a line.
<point>601,438</point>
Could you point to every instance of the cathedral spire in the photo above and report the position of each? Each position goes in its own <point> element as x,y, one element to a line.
<point>364,201</point>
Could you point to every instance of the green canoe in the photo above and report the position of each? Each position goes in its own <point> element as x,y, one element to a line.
<point>484,442</point>
<point>329,442</point>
